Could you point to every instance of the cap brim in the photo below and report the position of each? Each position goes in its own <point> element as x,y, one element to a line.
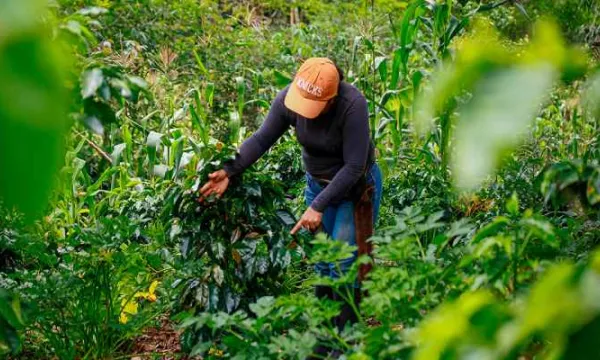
<point>307,108</point>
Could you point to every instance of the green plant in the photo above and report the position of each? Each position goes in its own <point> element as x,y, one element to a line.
<point>11,321</point>
<point>476,324</point>
<point>170,88</point>
<point>513,247</point>
<point>31,137</point>
<point>495,76</point>
<point>571,182</point>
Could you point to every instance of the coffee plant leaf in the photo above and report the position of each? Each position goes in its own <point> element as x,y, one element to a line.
<point>91,82</point>
<point>593,188</point>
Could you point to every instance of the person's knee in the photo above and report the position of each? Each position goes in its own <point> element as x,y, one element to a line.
<point>323,269</point>
<point>347,263</point>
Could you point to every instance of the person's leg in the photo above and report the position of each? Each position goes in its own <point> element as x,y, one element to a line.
<point>349,295</point>
<point>345,231</point>
<point>375,178</point>
<point>312,190</point>
<point>321,350</point>
<point>327,222</point>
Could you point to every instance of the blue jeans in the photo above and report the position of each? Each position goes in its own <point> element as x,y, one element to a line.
<point>338,220</point>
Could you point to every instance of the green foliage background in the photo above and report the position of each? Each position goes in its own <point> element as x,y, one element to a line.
<point>112,113</point>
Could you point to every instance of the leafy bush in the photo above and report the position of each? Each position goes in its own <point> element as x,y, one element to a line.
<point>165,91</point>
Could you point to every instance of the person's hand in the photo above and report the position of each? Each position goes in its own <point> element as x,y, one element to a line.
<point>217,184</point>
<point>310,220</point>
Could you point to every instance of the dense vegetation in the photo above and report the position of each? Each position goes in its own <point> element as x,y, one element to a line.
<point>112,113</point>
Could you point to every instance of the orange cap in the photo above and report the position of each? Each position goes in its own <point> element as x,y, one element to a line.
<point>315,83</point>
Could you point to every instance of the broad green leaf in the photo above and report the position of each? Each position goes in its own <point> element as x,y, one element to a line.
<point>591,97</point>
<point>209,93</point>
<point>286,217</point>
<point>96,110</point>
<point>197,125</point>
<point>484,247</point>
<point>593,187</point>
<point>441,17</point>
<point>17,17</point>
<point>512,205</point>
<point>235,124</point>
<point>160,170</point>
<point>94,124</point>
<point>176,154</point>
<point>497,118</point>
<point>93,11</point>
<point>542,230</point>
<point>10,310</point>
<point>153,139</point>
<point>116,154</point>
<point>541,315</point>
<point>396,63</point>
<point>91,82</point>
<point>447,325</point>
<point>282,79</point>
<point>381,66</point>
<point>491,229</point>
<point>241,92</point>
<point>200,64</point>
<point>33,108</point>
<point>263,306</point>
<point>137,81</point>
<point>11,320</point>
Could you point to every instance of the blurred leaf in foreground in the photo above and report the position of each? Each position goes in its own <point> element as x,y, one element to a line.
<point>11,320</point>
<point>496,119</point>
<point>506,88</point>
<point>33,102</point>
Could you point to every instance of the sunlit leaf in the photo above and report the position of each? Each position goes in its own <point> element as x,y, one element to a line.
<point>503,107</point>
<point>282,79</point>
<point>593,188</point>
<point>153,139</point>
<point>90,83</point>
<point>512,205</point>
<point>93,11</point>
<point>32,124</point>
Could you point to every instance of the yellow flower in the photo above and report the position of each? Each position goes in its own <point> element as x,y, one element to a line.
<point>149,295</point>
<point>129,308</point>
<point>215,352</point>
<point>130,305</point>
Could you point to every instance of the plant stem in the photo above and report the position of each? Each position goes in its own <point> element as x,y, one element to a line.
<point>96,147</point>
<point>515,261</point>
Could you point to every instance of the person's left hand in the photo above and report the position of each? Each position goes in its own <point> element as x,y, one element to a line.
<point>310,220</point>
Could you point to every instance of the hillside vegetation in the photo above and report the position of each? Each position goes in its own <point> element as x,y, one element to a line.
<point>484,115</point>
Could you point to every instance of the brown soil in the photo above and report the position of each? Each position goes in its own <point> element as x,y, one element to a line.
<point>158,343</point>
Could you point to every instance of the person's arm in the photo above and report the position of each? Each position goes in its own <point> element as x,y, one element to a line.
<point>274,126</point>
<point>356,143</point>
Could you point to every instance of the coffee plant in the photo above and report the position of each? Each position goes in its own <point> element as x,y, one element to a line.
<point>484,115</point>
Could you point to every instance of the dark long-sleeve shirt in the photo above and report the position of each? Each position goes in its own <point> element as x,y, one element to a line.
<point>336,146</point>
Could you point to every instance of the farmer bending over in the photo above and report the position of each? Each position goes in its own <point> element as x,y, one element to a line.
<point>343,189</point>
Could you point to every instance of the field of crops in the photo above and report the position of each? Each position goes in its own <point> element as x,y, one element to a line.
<point>485,120</point>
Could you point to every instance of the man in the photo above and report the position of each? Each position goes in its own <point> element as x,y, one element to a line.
<point>344,184</point>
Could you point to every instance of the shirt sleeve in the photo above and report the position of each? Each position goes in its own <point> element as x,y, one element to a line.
<point>356,143</point>
<point>274,126</point>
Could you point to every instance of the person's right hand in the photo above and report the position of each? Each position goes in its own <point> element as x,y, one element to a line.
<point>217,184</point>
